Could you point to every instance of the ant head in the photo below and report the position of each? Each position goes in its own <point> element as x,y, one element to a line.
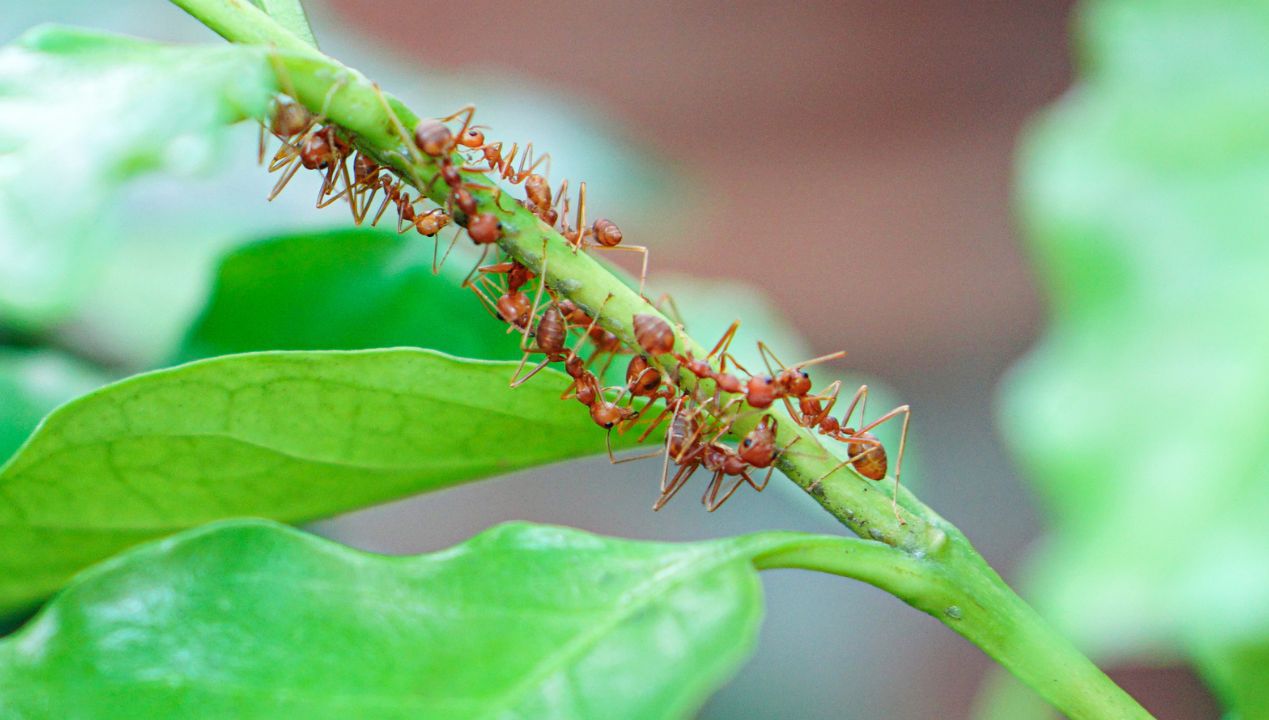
<point>315,151</point>
<point>515,308</point>
<point>606,414</point>
<point>796,381</point>
<point>473,138</point>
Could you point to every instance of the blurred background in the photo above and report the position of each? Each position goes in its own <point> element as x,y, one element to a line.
<point>851,160</point>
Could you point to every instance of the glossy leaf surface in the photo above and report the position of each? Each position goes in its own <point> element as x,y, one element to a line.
<point>290,436</point>
<point>247,619</point>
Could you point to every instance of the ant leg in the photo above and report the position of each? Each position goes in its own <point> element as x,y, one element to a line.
<point>722,365</point>
<point>383,206</point>
<point>402,203</point>
<point>348,189</point>
<point>593,322</point>
<point>516,380</point>
<point>850,460</point>
<point>523,172</point>
<point>485,301</point>
<point>469,111</point>
<point>581,217</point>
<point>714,501</point>
<point>607,363</point>
<point>655,422</point>
<point>260,155</point>
<point>494,190</point>
<point>821,359</point>
<point>537,299</point>
<point>284,180</point>
<point>643,273</point>
<point>328,185</point>
<point>766,352</point>
<point>676,316</point>
<point>665,466</point>
<point>396,125</point>
<point>484,253</point>
<point>724,342</point>
<point>632,458</point>
<point>860,394</point>
<point>681,477</point>
<point>453,241</point>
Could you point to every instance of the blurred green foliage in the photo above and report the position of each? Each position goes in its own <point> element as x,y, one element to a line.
<point>1143,415</point>
<point>33,382</point>
<point>249,619</point>
<point>82,114</point>
<point>346,289</point>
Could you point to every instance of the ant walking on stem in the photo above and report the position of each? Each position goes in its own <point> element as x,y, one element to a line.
<point>603,234</point>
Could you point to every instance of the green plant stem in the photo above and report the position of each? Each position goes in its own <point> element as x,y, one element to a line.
<point>955,585</point>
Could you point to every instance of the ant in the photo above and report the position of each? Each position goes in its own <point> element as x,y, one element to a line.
<point>865,452</point>
<point>502,165</point>
<point>512,306</point>
<point>603,234</point>
<point>757,450</point>
<point>287,121</point>
<point>319,149</point>
<point>606,413</point>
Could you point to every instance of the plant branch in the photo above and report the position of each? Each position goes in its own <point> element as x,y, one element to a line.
<point>943,575</point>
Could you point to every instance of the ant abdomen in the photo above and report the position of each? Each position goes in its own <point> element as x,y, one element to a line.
<point>653,334</point>
<point>870,455</point>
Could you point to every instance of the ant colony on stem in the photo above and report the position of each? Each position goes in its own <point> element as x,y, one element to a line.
<point>701,399</point>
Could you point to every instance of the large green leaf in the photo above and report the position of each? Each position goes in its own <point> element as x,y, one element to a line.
<point>248,619</point>
<point>81,114</point>
<point>343,290</point>
<point>1142,415</point>
<point>291,436</point>
<point>33,382</point>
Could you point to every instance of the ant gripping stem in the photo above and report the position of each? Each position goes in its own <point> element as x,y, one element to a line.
<point>867,455</point>
<point>606,234</point>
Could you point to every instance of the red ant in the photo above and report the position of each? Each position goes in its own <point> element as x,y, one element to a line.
<point>603,234</point>
<point>512,306</point>
<point>865,452</point>
<point>497,163</point>
<point>320,149</point>
<point>287,121</point>
<point>757,450</point>
<point>606,413</point>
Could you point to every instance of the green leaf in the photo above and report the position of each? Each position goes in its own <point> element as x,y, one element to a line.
<point>33,382</point>
<point>291,436</point>
<point>82,114</point>
<point>290,15</point>
<point>1141,416</point>
<point>247,619</point>
<point>343,290</point>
